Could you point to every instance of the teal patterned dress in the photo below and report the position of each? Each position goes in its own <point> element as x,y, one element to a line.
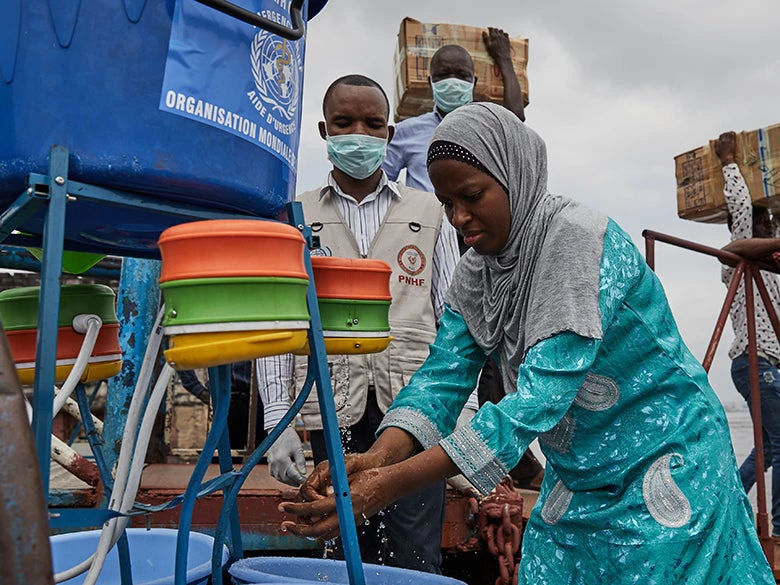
<point>641,484</point>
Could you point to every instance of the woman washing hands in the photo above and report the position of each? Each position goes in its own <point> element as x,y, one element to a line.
<point>641,478</point>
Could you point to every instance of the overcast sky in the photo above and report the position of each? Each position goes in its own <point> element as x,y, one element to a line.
<point>617,89</point>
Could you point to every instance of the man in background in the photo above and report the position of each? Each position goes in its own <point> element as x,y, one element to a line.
<point>748,221</point>
<point>452,81</point>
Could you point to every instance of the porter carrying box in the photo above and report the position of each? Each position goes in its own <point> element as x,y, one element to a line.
<point>700,177</point>
<point>418,41</point>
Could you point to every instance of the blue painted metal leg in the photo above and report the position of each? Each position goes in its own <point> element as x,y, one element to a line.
<point>125,568</point>
<point>137,305</point>
<point>232,494</point>
<point>222,373</point>
<point>77,429</point>
<point>96,444</point>
<point>49,309</point>
<point>318,361</point>
<point>221,403</point>
<point>94,439</point>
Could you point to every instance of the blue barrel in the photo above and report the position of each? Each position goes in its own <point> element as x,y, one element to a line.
<point>152,556</point>
<point>292,570</point>
<point>168,98</point>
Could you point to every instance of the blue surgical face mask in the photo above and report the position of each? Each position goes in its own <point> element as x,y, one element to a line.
<point>452,93</point>
<point>358,155</point>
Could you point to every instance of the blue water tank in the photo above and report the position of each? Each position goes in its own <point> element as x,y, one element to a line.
<point>167,98</point>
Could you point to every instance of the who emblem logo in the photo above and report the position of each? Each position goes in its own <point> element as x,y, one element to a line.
<point>277,68</point>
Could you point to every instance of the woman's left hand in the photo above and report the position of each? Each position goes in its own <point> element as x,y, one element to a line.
<point>371,491</point>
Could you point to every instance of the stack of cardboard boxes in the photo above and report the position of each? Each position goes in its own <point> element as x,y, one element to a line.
<point>700,178</point>
<point>418,41</point>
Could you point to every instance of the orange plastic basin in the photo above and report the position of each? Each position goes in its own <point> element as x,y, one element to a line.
<point>69,343</point>
<point>231,247</point>
<point>351,278</point>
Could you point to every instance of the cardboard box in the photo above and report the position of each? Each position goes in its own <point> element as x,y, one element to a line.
<point>418,41</point>
<point>700,177</point>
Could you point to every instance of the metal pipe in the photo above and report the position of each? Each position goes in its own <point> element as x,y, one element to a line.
<point>762,519</point>
<point>24,528</point>
<point>649,250</point>
<point>318,361</point>
<point>73,462</point>
<point>724,313</point>
<point>726,257</point>
<point>768,305</point>
<point>49,308</point>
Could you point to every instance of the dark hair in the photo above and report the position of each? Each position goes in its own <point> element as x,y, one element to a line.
<point>452,51</point>
<point>355,80</point>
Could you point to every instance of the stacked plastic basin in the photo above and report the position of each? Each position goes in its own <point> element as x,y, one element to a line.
<point>353,295</point>
<point>152,556</point>
<point>234,290</point>
<point>302,571</point>
<point>19,315</point>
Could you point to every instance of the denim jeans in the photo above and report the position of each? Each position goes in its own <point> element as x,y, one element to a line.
<point>769,379</point>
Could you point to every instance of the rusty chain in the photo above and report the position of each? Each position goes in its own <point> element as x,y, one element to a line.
<point>500,523</point>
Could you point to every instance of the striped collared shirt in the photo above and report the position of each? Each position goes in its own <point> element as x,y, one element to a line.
<point>274,374</point>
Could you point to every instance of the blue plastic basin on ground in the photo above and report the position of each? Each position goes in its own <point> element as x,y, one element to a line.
<point>269,570</point>
<point>88,75</point>
<point>152,556</point>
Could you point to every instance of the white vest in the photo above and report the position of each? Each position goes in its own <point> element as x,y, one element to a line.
<point>406,241</point>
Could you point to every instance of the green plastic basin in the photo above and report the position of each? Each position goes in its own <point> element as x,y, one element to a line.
<point>19,306</point>
<point>352,315</point>
<point>72,262</point>
<point>227,300</point>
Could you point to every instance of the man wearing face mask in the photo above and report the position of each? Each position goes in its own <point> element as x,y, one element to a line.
<point>452,81</point>
<point>359,213</point>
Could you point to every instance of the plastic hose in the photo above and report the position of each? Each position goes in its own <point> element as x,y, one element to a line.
<point>111,534</point>
<point>128,438</point>
<point>90,325</point>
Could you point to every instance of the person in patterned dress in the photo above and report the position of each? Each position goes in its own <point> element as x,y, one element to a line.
<point>641,484</point>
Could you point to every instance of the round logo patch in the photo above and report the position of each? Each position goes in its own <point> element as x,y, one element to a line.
<point>411,260</point>
<point>277,68</point>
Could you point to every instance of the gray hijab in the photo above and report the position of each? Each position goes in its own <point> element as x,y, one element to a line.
<point>546,279</point>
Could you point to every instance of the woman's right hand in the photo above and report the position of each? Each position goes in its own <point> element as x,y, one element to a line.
<point>392,446</point>
<point>319,482</point>
<point>370,491</point>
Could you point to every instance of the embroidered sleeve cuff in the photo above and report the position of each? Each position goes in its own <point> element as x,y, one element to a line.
<point>474,458</point>
<point>413,422</point>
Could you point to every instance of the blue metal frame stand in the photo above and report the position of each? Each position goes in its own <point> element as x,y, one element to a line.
<point>52,193</point>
